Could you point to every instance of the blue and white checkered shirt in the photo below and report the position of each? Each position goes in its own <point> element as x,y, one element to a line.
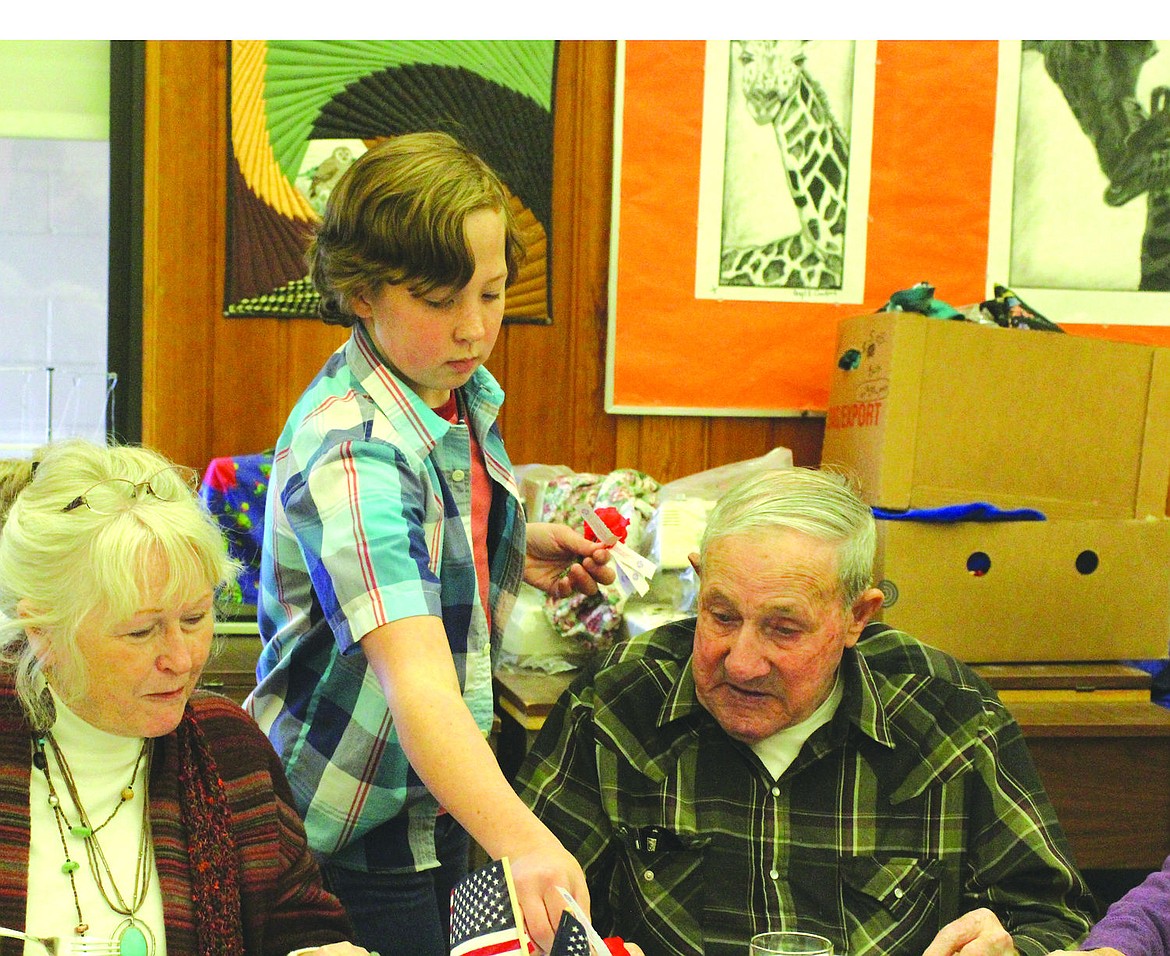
<point>368,521</point>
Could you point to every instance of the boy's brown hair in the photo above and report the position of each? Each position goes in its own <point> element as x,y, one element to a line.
<point>397,216</point>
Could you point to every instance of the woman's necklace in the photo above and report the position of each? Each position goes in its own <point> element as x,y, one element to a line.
<point>132,936</point>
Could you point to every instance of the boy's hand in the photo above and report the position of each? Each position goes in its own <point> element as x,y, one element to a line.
<point>561,561</point>
<point>536,874</point>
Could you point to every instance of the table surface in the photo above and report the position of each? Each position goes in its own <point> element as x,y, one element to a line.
<point>1079,676</point>
<point>529,695</point>
<point>1091,718</point>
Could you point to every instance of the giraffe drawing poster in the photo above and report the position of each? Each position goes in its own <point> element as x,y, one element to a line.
<point>672,352</point>
<point>784,180</point>
<point>1080,224</point>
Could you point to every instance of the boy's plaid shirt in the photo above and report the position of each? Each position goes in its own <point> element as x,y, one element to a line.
<point>368,520</point>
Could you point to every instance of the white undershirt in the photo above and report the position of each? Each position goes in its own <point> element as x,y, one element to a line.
<point>101,764</point>
<point>778,751</point>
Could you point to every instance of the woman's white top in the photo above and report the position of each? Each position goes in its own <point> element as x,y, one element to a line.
<point>101,764</point>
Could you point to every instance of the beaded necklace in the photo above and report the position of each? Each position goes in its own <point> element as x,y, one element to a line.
<point>132,937</point>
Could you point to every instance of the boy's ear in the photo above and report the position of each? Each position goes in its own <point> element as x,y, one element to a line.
<point>360,304</point>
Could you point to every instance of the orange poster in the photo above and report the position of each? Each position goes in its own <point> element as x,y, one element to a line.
<point>912,123</point>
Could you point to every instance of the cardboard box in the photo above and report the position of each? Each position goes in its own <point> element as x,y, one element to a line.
<point>930,412</point>
<point>1057,590</point>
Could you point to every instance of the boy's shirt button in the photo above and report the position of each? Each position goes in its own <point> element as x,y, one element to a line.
<point>457,475</point>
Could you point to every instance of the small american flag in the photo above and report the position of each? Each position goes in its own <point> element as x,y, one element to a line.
<point>571,938</point>
<point>485,918</point>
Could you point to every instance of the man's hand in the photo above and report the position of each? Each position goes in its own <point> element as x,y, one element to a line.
<point>561,561</point>
<point>978,933</point>
<point>333,949</point>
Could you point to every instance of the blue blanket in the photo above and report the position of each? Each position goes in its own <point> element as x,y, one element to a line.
<point>973,511</point>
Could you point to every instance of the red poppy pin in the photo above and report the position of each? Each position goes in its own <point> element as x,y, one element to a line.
<point>614,520</point>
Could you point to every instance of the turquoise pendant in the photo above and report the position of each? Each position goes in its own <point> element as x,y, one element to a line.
<point>132,942</point>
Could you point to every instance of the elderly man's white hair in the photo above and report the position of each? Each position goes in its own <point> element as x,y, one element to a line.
<point>821,504</point>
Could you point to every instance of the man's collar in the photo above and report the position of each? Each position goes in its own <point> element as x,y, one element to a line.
<point>681,700</point>
<point>861,704</point>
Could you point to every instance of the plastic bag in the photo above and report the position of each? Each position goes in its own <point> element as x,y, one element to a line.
<point>683,505</point>
<point>595,620</point>
<point>675,530</point>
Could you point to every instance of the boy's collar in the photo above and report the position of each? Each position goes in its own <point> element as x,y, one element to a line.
<point>401,404</point>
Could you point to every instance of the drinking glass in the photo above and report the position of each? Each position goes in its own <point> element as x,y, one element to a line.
<point>790,943</point>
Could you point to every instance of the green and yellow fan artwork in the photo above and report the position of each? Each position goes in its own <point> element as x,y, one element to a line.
<point>301,111</point>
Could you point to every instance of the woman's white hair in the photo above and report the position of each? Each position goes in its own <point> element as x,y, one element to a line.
<point>59,568</point>
<point>819,503</point>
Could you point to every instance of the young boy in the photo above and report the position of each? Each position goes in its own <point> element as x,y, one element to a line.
<point>395,542</point>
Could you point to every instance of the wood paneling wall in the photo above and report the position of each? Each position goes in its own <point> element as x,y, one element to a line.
<point>214,386</point>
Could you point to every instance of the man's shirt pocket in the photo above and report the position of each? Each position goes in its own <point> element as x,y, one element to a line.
<point>890,903</point>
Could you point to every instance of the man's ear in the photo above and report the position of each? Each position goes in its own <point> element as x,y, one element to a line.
<point>693,557</point>
<point>862,612</point>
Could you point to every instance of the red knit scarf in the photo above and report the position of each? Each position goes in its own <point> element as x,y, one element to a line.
<point>214,867</point>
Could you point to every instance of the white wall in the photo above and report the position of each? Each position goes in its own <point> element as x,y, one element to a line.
<point>54,239</point>
<point>54,226</point>
<point>55,89</point>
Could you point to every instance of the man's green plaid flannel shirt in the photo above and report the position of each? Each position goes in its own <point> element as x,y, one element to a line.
<point>917,803</point>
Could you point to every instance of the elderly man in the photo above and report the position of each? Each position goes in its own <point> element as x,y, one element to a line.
<point>781,763</point>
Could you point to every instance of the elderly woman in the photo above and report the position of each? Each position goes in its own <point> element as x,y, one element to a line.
<point>138,816</point>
